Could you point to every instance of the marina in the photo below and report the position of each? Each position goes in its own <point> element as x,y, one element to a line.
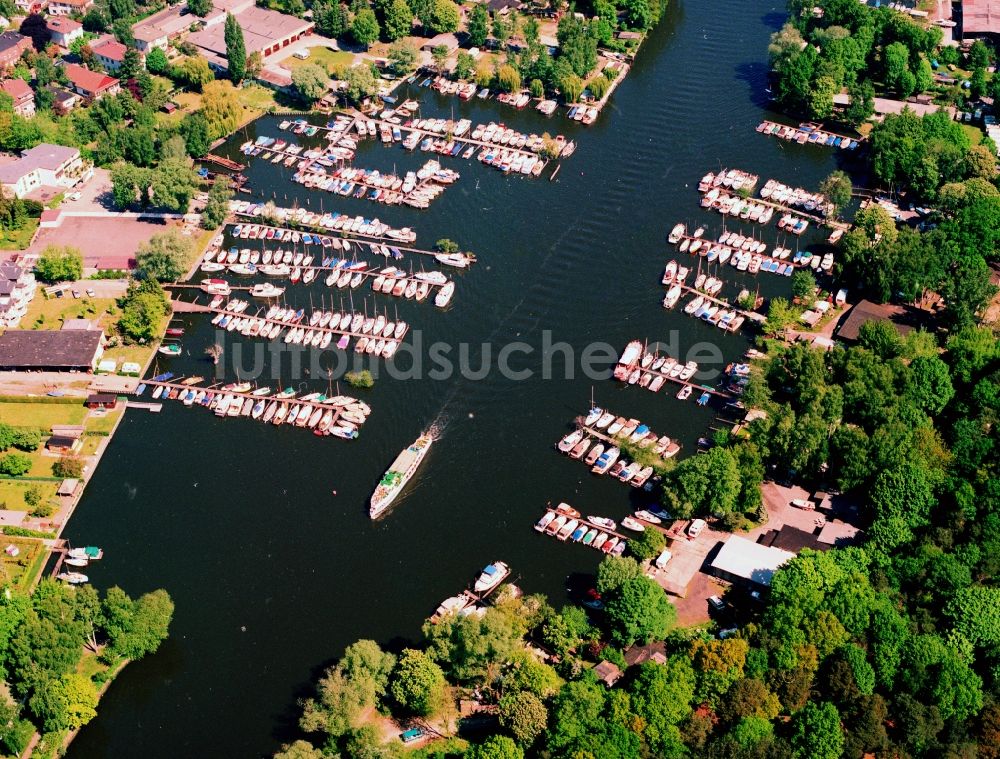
<point>804,133</point>
<point>636,366</point>
<point>747,253</point>
<point>264,233</point>
<point>492,144</point>
<point>263,535</point>
<point>292,326</point>
<point>472,600</point>
<point>336,416</point>
<point>567,524</point>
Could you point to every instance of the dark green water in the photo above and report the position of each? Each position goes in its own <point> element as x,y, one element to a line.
<point>272,575</point>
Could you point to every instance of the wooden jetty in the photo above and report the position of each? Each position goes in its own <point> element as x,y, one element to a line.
<point>348,237</point>
<point>677,380</point>
<point>216,391</point>
<point>586,522</point>
<point>154,408</point>
<point>305,166</point>
<point>801,133</point>
<point>751,315</point>
<point>312,228</point>
<point>707,245</point>
<point>223,162</point>
<point>237,316</point>
<point>351,131</point>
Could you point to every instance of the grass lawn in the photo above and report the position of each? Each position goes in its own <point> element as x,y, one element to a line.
<point>257,98</point>
<point>326,57</point>
<point>975,134</point>
<point>89,665</point>
<point>16,568</point>
<point>49,313</point>
<point>187,101</point>
<point>18,239</point>
<point>104,422</point>
<point>12,493</point>
<point>42,415</point>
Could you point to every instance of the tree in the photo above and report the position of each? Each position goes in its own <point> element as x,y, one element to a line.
<point>311,82</point>
<point>439,54</point>
<point>509,79</point>
<point>821,97</point>
<point>200,8</point>
<point>398,21</point>
<point>804,285</point>
<point>524,715</point>
<point>418,684</point>
<point>929,384</point>
<point>862,105</point>
<point>156,61</point>
<point>236,50</point>
<point>639,610</point>
<point>165,257</point>
<point>60,263</point>
<point>331,19</point>
<point>217,206</point>
<point>708,484</point>
<point>479,25</point>
<point>496,747</point>
<point>195,71</point>
<point>365,28</point>
<point>194,130</point>
<point>979,55</point>
<point>837,189</point>
<point>662,695</point>
<point>174,183</point>
<point>14,464</point>
<point>970,350</point>
<point>443,17</point>
<point>220,104</point>
<point>64,703</point>
<point>68,467</point>
<point>145,627</point>
<point>465,65</point>
<point>360,83</point>
<point>817,733</point>
<point>649,543</point>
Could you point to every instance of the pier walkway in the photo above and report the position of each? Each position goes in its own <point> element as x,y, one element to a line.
<point>751,315</point>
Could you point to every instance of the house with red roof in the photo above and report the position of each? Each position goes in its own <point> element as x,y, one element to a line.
<point>89,83</point>
<point>109,52</point>
<point>63,30</point>
<point>12,46</point>
<point>22,94</point>
<point>69,7</point>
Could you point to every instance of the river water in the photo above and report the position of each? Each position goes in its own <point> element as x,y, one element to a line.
<point>272,574</point>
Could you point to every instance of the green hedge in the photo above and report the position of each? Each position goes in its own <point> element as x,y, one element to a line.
<point>72,400</point>
<point>24,532</point>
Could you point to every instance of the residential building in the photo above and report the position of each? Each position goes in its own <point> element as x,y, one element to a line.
<point>157,30</point>
<point>12,47</point>
<point>51,350</point>
<point>89,83</point>
<point>109,52</point>
<point>43,166</point>
<point>69,7</point>
<point>22,94</point>
<point>264,31</point>
<point>447,40</point>
<point>63,101</point>
<point>17,288</point>
<point>30,7</point>
<point>64,30</point>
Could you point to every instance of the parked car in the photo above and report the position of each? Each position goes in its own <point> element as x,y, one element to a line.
<point>803,503</point>
<point>663,559</point>
<point>411,735</point>
<point>695,528</point>
<point>716,603</point>
<point>91,293</point>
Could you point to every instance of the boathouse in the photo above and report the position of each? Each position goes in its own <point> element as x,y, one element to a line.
<point>73,350</point>
<point>904,318</point>
<point>63,444</point>
<point>101,400</point>
<point>744,562</point>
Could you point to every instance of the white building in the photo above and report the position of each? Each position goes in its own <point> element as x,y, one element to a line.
<point>44,166</point>
<point>17,288</point>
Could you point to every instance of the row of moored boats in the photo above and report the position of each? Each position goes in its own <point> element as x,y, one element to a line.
<point>637,366</point>
<point>337,416</point>
<point>565,523</point>
<point>807,133</point>
<point>747,253</point>
<point>337,222</point>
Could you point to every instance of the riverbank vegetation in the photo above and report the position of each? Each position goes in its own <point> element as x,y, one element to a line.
<point>887,648</point>
<point>60,645</point>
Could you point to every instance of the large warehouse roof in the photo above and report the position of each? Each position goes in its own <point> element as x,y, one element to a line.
<point>742,558</point>
<point>49,349</point>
